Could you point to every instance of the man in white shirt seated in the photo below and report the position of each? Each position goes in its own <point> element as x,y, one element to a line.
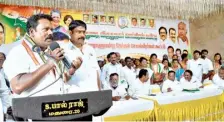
<point>218,79</point>
<point>112,67</point>
<point>196,65</point>
<point>189,81</point>
<point>209,70</point>
<point>171,85</point>
<point>141,86</point>
<point>128,72</point>
<point>118,90</point>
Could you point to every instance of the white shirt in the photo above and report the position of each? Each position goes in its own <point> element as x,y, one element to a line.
<point>174,85</point>
<point>218,81</point>
<point>108,69</point>
<point>86,76</point>
<point>197,67</point>
<point>208,65</point>
<point>17,64</point>
<point>139,88</point>
<point>149,71</point>
<point>169,42</point>
<point>181,44</point>
<point>4,92</point>
<point>128,74</point>
<point>193,84</point>
<point>1,112</point>
<point>119,91</point>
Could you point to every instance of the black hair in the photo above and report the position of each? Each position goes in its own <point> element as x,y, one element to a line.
<point>3,55</point>
<point>170,47</point>
<point>172,29</point>
<point>113,74</point>
<point>178,49</point>
<point>2,27</point>
<point>183,56</point>
<point>142,58</point>
<point>189,71</point>
<point>220,60</point>
<point>165,60</point>
<point>162,28</point>
<point>112,53</point>
<point>185,51</point>
<point>171,72</point>
<point>67,17</point>
<point>108,56</point>
<point>204,50</point>
<point>58,36</point>
<point>126,58</point>
<point>95,16</point>
<point>76,23</point>
<point>196,51</point>
<point>33,21</point>
<point>142,73</point>
<point>153,55</point>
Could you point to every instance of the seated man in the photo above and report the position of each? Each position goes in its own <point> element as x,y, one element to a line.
<point>141,86</point>
<point>189,82</point>
<point>171,85</point>
<point>118,90</point>
<point>218,78</point>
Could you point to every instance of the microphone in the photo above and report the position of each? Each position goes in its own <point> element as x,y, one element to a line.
<point>54,45</point>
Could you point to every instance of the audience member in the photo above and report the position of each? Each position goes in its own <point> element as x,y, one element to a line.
<point>171,84</point>
<point>189,81</point>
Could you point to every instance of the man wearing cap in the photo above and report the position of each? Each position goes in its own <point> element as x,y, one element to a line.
<point>87,76</point>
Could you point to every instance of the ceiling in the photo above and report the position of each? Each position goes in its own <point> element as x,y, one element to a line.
<point>174,9</point>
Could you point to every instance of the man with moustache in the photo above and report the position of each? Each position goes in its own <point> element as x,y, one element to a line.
<point>172,38</point>
<point>162,34</point>
<point>30,72</point>
<point>87,76</point>
<point>109,68</point>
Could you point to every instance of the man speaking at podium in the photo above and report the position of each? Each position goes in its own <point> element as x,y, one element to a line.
<point>32,68</point>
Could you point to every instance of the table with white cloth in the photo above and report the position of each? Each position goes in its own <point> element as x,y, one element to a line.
<point>129,110</point>
<point>206,104</point>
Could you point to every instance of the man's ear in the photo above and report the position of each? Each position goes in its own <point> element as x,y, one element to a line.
<point>70,32</point>
<point>31,32</point>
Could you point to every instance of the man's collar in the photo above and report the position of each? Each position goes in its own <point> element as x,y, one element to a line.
<point>29,39</point>
<point>71,46</point>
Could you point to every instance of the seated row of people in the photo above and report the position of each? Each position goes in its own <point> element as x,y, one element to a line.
<point>143,86</point>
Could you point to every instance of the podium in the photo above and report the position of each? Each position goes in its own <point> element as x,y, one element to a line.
<point>62,107</point>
